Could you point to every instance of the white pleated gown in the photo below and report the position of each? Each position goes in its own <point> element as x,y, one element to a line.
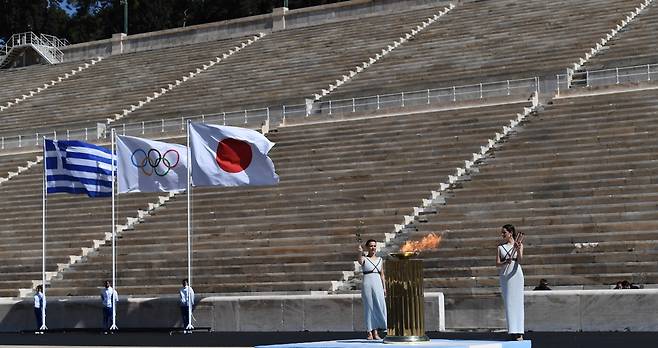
<point>372,295</point>
<point>511,286</point>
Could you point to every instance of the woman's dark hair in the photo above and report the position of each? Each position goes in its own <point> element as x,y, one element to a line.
<point>510,228</point>
<point>370,240</point>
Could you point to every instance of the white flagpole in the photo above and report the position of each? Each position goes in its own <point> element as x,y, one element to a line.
<point>114,233</point>
<point>189,230</point>
<point>43,240</point>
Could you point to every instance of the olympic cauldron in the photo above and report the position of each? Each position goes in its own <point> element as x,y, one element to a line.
<point>405,307</point>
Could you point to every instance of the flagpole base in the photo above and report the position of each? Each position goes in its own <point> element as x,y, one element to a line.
<point>113,327</point>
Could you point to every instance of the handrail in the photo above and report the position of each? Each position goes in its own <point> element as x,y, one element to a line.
<point>48,45</point>
<point>425,96</point>
<point>255,117</point>
<point>605,77</point>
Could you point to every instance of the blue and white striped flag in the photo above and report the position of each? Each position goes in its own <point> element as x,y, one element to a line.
<point>77,167</point>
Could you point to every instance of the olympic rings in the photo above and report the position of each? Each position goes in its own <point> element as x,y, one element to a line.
<point>155,162</point>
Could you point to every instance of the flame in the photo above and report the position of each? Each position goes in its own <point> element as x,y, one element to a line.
<point>431,241</point>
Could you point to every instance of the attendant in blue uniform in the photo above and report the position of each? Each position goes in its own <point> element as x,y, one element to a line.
<point>186,301</point>
<point>39,306</point>
<point>373,290</point>
<point>109,298</point>
<point>508,258</point>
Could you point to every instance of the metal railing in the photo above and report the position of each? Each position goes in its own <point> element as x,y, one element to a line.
<point>153,128</point>
<point>425,97</point>
<point>607,77</point>
<point>47,45</point>
<point>254,118</point>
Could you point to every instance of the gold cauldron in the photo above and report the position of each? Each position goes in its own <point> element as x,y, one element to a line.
<point>405,305</point>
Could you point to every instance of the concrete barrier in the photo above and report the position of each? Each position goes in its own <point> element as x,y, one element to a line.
<point>557,310</point>
<point>560,310</point>
<point>592,310</point>
<point>221,313</point>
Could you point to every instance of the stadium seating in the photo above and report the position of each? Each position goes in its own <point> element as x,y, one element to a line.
<point>492,41</point>
<point>11,164</point>
<point>336,179</point>
<point>636,45</point>
<point>286,67</point>
<point>578,179</point>
<point>74,222</point>
<point>114,84</point>
<point>279,70</point>
<point>20,81</point>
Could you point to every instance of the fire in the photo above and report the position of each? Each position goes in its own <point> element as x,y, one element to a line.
<point>431,241</point>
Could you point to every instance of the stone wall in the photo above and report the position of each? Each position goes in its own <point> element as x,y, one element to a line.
<point>240,27</point>
<point>560,310</point>
<point>221,313</point>
<point>592,310</point>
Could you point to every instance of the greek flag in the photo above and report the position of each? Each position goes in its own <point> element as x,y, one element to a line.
<point>78,167</point>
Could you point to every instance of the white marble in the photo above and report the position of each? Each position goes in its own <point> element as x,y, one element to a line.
<point>315,312</point>
<point>592,310</point>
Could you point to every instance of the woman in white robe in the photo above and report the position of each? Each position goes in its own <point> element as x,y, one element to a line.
<point>373,290</point>
<point>508,260</point>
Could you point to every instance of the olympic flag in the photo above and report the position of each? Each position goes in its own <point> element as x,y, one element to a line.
<point>150,166</point>
<point>230,156</point>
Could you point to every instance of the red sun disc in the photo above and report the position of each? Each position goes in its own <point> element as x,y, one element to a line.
<point>233,155</point>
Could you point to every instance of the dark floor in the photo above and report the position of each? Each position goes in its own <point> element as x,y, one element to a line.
<point>164,338</point>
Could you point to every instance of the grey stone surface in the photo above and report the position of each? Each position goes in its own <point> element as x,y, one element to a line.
<point>357,314</point>
<point>279,18</point>
<point>203,315</point>
<point>293,315</point>
<point>225,313</point>
<point>319,312</point>
<point>434,313</point>
<point>539,307</point>
<point>633,310</point>
<point>117,43</point>
<point>467,312</point>
<point>592,310</point>
<point>238,27</point>
<point>329,314</point>
<point>560,310</point>
<point>351,9</point>
<point>261,314</point>
<point>87,50</point>
<point>16,316</point>
<point>163,313</point>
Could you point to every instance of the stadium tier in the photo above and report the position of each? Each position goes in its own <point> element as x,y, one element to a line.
<point>20,81</point>
<point>576,175</point>
<point>578,179</point>
<point>336,180</point>
<point>74,222</point>
<point>636,45</point>
<point>491,41</point>
<point>109,87</point>
<point>287,66</point>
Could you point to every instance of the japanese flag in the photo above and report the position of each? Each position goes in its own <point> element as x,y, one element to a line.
<point>230,156</point>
